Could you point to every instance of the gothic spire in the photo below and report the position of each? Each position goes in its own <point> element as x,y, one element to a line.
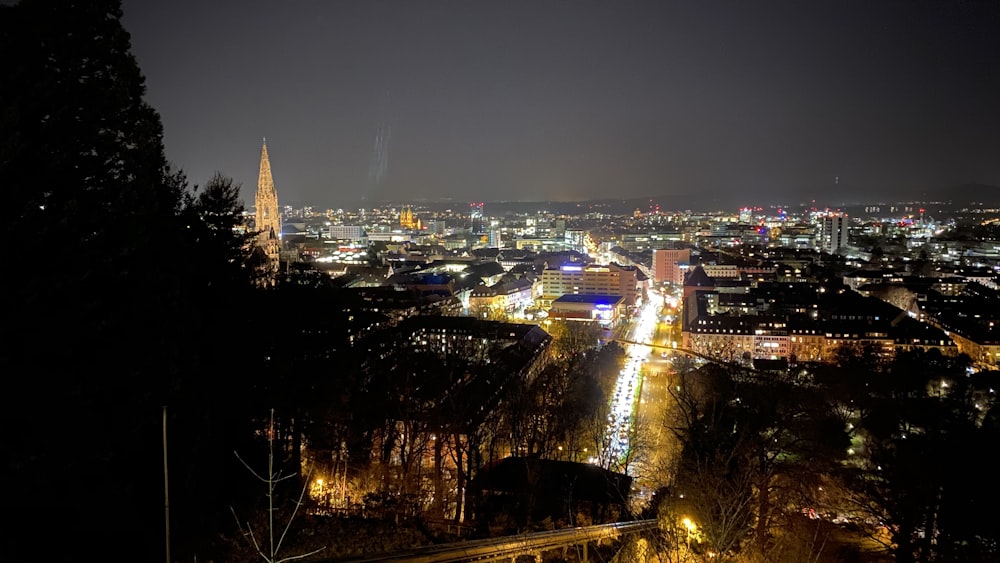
<point>268,218</point>
<point>265,184</point>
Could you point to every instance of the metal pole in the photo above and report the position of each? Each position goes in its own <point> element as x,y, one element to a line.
<point>166,487</point>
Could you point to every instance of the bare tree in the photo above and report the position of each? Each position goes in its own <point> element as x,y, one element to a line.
<point>571,338</point>
<point>487,312</point>
<point>271,480</point>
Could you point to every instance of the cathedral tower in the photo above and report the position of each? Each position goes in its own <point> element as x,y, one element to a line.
<point>268,220</point>
<point>408,221</point>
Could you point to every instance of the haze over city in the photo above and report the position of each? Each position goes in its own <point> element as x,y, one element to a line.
<point>573,101</point>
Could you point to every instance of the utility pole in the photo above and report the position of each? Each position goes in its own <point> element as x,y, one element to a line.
<point>166,487</point>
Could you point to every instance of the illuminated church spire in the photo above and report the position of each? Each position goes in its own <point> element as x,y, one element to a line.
<point>268,220</point>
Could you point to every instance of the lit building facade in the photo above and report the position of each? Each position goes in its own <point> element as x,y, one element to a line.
<point>408,221</point>
<point>579,279</point>
<point>670,265</point>
<point>347,232</point>
<point>502,297</point>
<point>833,233</point>
<point>607,310</point>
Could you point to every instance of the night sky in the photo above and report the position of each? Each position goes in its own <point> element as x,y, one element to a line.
<point>572,100</point>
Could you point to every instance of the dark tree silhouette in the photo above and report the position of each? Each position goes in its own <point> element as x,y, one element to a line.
<point>754,447</point>
<point>921,471</point>
<point>112,286</point>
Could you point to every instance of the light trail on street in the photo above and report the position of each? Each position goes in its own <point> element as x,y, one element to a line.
<point>625,399</point>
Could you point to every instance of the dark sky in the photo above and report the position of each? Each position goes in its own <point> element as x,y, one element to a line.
<point>572,100</point>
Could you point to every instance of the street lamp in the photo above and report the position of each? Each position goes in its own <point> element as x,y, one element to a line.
<point>690,528</point>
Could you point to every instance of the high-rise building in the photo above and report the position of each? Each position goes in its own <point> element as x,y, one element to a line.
<point>576,239</point>
<point>476,218</point>
<point>494,237</point>
<point>268,218</point>
<point>833,233</point>
<point>669,265</point>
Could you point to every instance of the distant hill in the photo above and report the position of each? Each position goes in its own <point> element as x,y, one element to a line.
<point>956,196</point>
<point>965,194</point>
<point>952,197</point>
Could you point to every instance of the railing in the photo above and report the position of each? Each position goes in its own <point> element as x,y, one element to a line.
<point>509,547</point>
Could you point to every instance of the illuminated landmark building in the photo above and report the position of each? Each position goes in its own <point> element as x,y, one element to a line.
<point>268,219</point>
<point>408,221</point>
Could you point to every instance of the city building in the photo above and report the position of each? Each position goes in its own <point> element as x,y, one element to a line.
<point>574,278</point>
<point>670,265</point>
<point>800,320</point>
<point>605,309</point>
<point>353,233</point>
<point>501,297</point>
<point>638,242</point>
<point>833,233</point>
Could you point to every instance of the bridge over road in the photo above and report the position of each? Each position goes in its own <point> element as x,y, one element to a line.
<point>509,548</point>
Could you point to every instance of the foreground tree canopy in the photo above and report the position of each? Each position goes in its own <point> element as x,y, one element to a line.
<point>770,461</point>
<point>117,273</point>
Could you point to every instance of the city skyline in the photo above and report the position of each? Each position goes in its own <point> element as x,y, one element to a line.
<point>387,101</point>
<point>194,381</point>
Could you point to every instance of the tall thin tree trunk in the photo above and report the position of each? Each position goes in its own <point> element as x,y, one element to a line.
<point>763,510</point>
<point>459,478</point>
<point>296,447</point>
<point>438,477</point>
